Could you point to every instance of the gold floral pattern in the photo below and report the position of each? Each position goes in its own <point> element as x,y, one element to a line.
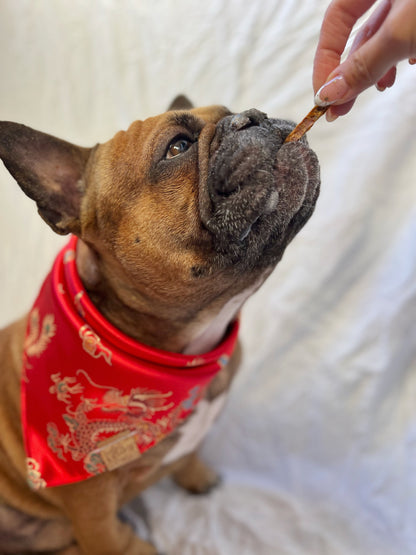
<point>63,389</point>
<point>92,345</point>
<point>69,256</point>
<point>39,333</point>
<point>78,303</point>
<point>197,361</point>
<point>34,477</point>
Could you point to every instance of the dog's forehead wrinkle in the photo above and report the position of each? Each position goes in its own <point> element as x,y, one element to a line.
<point>211,114</point>
<point>186,119</point>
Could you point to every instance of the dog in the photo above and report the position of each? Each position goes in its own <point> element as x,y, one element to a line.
<point>114,376</point>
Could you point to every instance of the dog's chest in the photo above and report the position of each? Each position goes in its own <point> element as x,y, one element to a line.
<point>193,431</point>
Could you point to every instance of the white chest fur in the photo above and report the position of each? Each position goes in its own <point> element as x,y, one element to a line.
<point>195,428</point>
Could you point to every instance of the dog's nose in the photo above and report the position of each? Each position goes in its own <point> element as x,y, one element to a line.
<point>247,119</point>
<point>239,121</point>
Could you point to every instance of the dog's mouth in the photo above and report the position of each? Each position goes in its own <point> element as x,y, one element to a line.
<point>259,191</point>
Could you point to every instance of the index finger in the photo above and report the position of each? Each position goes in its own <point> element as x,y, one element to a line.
<point>337,25</point>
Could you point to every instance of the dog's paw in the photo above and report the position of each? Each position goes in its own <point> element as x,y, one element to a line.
<point>196,477</point>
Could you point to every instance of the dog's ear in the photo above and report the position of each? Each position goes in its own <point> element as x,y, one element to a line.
<point>48,170</point>
<point>181,102</point>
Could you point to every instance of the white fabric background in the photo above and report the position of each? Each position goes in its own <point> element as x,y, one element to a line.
<point>317,445</point>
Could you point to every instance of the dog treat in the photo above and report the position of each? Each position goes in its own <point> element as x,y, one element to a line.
<point>306,123</point>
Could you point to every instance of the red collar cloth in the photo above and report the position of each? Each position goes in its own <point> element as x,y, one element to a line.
<point>94,399</point>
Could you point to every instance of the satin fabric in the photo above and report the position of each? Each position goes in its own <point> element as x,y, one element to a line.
<point>93,399</point>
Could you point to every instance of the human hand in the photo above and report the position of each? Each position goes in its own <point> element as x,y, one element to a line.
<point>387,37</point>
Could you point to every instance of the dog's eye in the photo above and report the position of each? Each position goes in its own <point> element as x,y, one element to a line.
<point>178,146</point>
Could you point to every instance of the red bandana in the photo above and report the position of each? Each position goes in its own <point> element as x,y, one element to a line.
<point>94,399</point>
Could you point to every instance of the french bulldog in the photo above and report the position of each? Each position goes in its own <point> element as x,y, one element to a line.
<point>174,223</point>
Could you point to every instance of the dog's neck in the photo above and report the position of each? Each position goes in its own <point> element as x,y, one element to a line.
<point>196,336</point>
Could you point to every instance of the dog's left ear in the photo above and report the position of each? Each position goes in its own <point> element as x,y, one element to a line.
<point>48,170</point>
<point>181,102</point>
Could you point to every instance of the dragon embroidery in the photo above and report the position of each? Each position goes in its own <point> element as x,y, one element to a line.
<point>135,413</point>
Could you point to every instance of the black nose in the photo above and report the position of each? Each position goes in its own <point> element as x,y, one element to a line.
<point>238,150</point>
<point>239,121</point>
<point>246,119</point>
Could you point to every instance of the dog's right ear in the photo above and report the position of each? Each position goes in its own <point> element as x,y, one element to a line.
<point>48,170</point>
<point>181,102</point>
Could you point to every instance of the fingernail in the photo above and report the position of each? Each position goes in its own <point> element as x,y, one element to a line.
<point>380,88</point>
<point>331,92</point>
<point>412,61</point>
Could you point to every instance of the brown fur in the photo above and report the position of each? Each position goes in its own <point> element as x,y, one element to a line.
<point>149,265</point>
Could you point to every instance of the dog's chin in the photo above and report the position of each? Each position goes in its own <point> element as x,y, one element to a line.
<point>260,192</point>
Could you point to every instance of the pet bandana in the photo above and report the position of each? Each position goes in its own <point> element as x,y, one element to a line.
<point>94,399</point>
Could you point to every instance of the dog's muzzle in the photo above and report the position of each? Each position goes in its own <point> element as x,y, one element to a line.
<point>260,192</point>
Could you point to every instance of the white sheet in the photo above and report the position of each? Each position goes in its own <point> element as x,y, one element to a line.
<point>317,445</point>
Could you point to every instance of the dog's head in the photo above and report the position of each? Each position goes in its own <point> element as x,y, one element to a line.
<point>180,211</point>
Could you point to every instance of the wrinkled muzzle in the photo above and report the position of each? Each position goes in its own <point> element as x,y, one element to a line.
<point>259,191</point>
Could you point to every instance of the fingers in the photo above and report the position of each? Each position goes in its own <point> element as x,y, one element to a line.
<point>337,25</point>
<point>368,30</point>
<point>374,62</point>
<point>371,26</point>
<point>387,37</point>
<point>335,111</point>
<point>387,80</point>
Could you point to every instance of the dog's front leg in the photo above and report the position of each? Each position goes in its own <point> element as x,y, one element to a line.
<point>92,507</point>
<point>195,476</point>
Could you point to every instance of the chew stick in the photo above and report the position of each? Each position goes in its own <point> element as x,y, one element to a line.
<point>306,123</point>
